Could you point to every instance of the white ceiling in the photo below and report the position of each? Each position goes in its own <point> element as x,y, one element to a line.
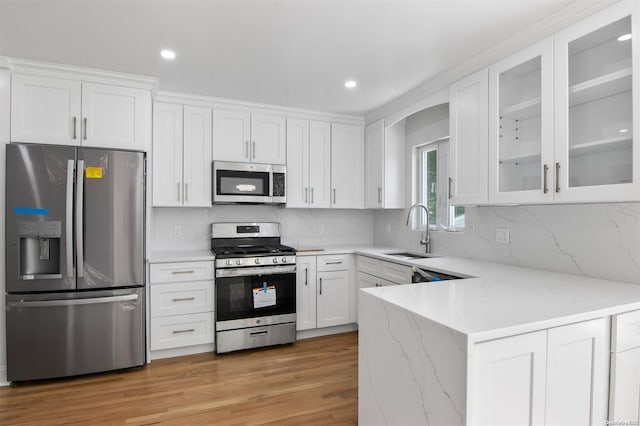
<point>296,53</point>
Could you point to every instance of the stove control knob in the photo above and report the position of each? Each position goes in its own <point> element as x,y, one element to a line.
<point>238,262</point>
<point>229,262</point>
<point>284,260</point>
<point>257,260</point>
<point>275,260</point>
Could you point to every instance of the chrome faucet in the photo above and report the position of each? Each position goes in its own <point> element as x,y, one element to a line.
<point>426,239</point>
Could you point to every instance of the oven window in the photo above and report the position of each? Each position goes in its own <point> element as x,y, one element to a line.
<point>232,182</point>
<point>255,296</point>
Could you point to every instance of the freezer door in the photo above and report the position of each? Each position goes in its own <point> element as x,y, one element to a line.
<point>39,217</point>
<point>68,334</point>
<point>110,218</point>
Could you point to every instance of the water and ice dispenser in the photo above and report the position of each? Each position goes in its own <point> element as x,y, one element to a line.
<point>40,244</point>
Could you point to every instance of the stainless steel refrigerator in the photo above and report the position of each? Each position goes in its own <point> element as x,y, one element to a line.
<point>74,239</point>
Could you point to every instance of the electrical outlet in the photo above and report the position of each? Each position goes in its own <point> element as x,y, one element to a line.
<point>177,231</point>
<point>321,229</point>
<point>388,228</point>
<point>502,236</point>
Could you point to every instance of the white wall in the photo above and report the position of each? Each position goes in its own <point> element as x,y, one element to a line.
<point>4,139</point>
<point>310,228</point>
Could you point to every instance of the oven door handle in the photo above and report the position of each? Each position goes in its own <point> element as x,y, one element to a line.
<point>258,271</point>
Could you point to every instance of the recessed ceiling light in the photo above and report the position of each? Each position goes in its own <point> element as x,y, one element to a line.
<point>350,84</point>
<point>168,54</point>
<point>625,37</point>
<point>623,130</point>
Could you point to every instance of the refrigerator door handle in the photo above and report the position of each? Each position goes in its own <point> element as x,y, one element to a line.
<point>80,218</point>
<point>68,226</point>
<point>72,302</point>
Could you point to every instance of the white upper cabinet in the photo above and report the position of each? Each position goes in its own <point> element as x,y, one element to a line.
<point>45,110</point>
<point>308,163</point>
<point>521,126</point>
<point>347,166</point>
<point>181,156</point>
<point>244,137</point>
<point>384,166</point>
<point>69,112</point>
<point>115,117</point>
<point>597,157</point>
<point>469,114</point>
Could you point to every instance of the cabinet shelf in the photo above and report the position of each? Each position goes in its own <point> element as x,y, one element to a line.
<point>521,159</point>
<point>523,110</point>
<point>601,145</point>
<point>600,87</point>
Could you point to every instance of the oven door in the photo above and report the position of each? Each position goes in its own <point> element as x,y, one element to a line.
<point>241,182</point>
<point>255,300</point>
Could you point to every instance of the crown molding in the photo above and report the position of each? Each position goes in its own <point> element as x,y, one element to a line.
<point>27,66</point>
<point>413,100</point>
<point>244,106</point>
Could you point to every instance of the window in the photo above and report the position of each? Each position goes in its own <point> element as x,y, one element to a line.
<point>432,165</point>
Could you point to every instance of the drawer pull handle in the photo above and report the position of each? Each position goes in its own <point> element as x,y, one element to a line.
<point>258,333</point>
<point>188,330</point>
<point>183,299</point>
<point>337,262</point>
<point>183,272</point>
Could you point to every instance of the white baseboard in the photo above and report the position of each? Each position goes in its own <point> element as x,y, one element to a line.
<point>316,332</point>
<point>3,376</point>
<point>188,350</point>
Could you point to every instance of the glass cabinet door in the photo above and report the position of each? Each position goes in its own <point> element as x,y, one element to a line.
<point>521,133</point>
<point>596,157</point>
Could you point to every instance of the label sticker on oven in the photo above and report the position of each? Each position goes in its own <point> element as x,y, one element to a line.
<point>264,296</point>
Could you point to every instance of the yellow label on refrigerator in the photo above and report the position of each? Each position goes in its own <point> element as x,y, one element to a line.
<point>93,172</point>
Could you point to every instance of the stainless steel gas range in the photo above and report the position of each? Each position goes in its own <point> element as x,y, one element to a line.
<point>255,286</point>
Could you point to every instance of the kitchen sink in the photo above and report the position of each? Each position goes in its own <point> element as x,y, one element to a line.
<point>407,255</point>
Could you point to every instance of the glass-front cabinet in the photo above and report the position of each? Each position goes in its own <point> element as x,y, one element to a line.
<point>597,157</point>
<point>521,125</point>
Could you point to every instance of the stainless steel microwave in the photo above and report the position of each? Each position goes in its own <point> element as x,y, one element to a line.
<point>248,183</point>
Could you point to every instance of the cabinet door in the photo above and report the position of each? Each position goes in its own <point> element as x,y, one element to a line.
<point>268,139</point>
<point>347,166</point>
<point>509,381</point>
<point>468,131</point>
<point>577,373</point>
<point>231,135</point>
<point>116,117</point>
<point>333,299</point>
<point>319,164</point>
<point>197,157</point>
<point>167,155</point>
<point>624,392</point>
<point>374,165</point>
<point>598,112</point>
<point>45,110</point>
<point>521,126</point>
<point>297,163</point>
<point>306,292</point>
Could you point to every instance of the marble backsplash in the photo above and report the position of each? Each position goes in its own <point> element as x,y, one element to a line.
<point>595,240</point>
<point>300,227</point>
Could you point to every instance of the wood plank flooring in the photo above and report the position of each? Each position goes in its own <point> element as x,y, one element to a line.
<point>314,381</point>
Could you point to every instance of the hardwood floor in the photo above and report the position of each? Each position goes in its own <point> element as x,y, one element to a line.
<point>314,381</point>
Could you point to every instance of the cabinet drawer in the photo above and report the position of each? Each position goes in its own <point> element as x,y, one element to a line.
<point>181,298</point>
<point>333,263</point>
<point>181,330</point>
<point>369,265</point>
<point>181,271</point>
<point>625,331</point>
<point>399,274</point>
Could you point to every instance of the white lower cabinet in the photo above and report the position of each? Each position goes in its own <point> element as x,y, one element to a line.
<point>182,304</point>
<point>323,291</point>
<point>551,377</point>
<point>624,387</point>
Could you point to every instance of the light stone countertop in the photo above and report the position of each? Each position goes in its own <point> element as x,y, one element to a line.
<point>500,300</point>
<point>180,256</point>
